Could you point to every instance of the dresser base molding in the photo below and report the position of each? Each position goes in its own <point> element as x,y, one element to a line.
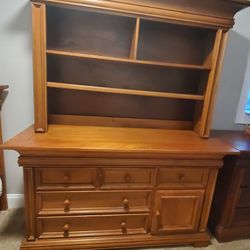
<point>233,233</point>
<point>122,242</point>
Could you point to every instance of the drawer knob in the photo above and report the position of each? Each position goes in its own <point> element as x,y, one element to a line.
<point>124,226</point>
<point>182,177</point>
<point>128,178</point>
<point>66,205</point>
<point>66,230</point>
<point>126,203</point>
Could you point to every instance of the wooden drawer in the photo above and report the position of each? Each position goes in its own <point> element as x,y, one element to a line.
<point>182,177</point>
<point>244,198</point>
<point>116,178</point>
<point>246,178</point>
<point>241,217</point>
<point>61,178</point>
<point>92,202</point>
<point>67,226</point>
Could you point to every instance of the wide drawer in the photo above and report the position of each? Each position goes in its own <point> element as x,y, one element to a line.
<point>61,178</point>
<point>241,217</point>
<point>244,197</point>
<point>116,178</point>
<point>68,226</point>
<point>93,202</point>
<point>182,177</point>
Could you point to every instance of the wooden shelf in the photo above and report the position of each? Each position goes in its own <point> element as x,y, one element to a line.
<point>125,60</point>
<point>124,91</point>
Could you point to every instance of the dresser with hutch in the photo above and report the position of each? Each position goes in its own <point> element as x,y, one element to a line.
<point>124,93</point>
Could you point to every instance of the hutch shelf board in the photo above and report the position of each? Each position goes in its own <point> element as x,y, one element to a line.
<point>124,93</point>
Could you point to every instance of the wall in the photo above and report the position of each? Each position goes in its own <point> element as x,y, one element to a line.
<point>16,70</point>
<point>233,73</point>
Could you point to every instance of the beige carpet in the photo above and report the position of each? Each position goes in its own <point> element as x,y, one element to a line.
<point>12,232</point>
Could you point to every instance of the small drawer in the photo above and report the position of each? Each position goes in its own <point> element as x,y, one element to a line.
<point>244,198</point>
<point>49,203</point>
<point>182,177</point>
<point>65,178</point>
<point>241,217</point>
<point>89,225</point>
<point>116,178</point>
<point>246,178</point>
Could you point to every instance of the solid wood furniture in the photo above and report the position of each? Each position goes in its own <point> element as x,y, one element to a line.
<point>111,78</point>
<point>137,63</point>
<point>3,198</point>
<point>108,187</point>
<point>230,215</point>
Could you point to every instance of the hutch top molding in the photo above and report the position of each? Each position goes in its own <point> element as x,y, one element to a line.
<point>213,13</point>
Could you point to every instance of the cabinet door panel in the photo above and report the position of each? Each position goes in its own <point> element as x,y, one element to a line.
<point>177,211</point>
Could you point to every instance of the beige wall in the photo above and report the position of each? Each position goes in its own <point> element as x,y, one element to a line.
<point>16,70</point>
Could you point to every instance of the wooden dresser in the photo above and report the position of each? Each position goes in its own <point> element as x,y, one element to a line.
<point>104,187</point>
<point>124,93</point>
<point>230,215</point>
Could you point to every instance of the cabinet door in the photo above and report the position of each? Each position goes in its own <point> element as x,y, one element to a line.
<point>177,211</point>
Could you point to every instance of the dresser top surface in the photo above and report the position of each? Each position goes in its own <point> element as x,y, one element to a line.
<point>240,140</point>
<point>116,140</point>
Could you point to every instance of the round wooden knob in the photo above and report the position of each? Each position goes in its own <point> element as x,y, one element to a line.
<point>66,205</point>
<point>125,203</point>
<point>66,230</point>
<point>128,178</point>
<point>181,177</point>
<point>124,226</point>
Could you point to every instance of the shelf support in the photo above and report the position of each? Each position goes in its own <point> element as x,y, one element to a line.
<point>134,47</point>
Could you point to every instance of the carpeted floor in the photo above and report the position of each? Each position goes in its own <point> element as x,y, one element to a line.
<point>12,232</point>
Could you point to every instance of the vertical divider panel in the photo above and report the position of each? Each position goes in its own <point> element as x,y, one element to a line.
<point>39,66</point>
<point>134,46</point>
<point>201,123</point>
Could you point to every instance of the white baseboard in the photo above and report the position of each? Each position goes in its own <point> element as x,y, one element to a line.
<point>15,200</point>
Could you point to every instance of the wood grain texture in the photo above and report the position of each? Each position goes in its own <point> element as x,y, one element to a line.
<point>202,122</point>
<point>215,13</point>
<point>131,61</point>
<point>29,204</point>
<point>123,91</point>
<point>119,122</point>
<point>120,140</point>
<point>39,66</point>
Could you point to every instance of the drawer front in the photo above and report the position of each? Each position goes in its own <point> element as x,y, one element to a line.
<point>67,226</point>
<point>244,198</point>
<point>241,217</point>
<point>246,178</point>
<point>116,178</point>
<point>92,202</point>
<point>49,178</point>
<point>182,177</point>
